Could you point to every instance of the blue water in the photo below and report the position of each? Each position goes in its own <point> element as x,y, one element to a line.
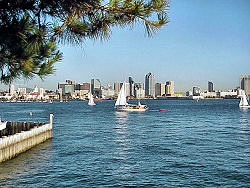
<point>193,144</point>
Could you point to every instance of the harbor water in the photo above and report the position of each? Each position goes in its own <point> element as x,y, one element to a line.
<point>192,144</point>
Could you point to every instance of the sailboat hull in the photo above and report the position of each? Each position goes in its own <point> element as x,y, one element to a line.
<point>245,106</point>
<point>132,108</point>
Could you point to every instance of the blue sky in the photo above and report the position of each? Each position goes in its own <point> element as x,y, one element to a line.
<point>204,41</point>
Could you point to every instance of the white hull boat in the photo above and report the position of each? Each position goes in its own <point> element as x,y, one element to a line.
<point>122,105</point>
<point>132,108</point>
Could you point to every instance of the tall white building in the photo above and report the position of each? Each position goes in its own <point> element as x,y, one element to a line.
<point>170,88</point>
<point>11,89</point>
<point>21,91</point>
<point>127,86</point>
<point>117,87</point>
<point>150,85</point>
<point>159,89</point>
<point>96,87</point>
<point>139,93</point>
<point>41,92</point>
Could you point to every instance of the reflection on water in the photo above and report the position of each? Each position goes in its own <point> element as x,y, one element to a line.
<point>244,109</point>
<point>27,162</point>
<point>244,117</point>
<point>121,118</point>
<point>122,140</point>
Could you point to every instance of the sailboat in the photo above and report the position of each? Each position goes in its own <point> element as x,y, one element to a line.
<point>243,101</point>
<point>91,100</point>
<point>122,105</point>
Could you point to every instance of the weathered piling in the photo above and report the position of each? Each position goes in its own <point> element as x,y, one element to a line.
<point>18,137</point>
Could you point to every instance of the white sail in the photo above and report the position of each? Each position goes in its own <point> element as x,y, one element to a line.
<point>243,100</point>
<point>91,100</point>
<point>121,100</point>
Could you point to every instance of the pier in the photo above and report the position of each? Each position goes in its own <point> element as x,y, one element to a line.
<point>18,137</point>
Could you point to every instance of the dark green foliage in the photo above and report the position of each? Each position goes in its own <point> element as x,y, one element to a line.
<point>31,29</point>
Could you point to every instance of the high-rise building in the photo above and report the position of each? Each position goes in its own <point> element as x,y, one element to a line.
<point>169,88</point>
<point>96,87</point>
<point>66,88</point>
<point>41,92</point>
<point>71,82</point>
<point>196,91</point>
<point>117,87</point>
<point>159,89</point>
<point>150,85</point>
<point>131,86</point>
<point>127,86</point>
<point>21,91</point>
<point>83,86</point>
<point>210,86</point>
<point>245,84</point>
<point>11,89</point>
<point>139,93</point>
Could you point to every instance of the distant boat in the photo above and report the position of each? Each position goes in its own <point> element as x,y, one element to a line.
<point>91,100</point>
<point>122,105</point>
<point>243,101</point>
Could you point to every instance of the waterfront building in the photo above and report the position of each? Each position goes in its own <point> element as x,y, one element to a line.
<point>150,85</point>
<point>210,86</point>
<point>11,89</point>
<point>196,91</point>
<point>21,91</point>
<point>229,94</point>
<point>245,84</point>
<point>159,89</point>
<point>139,93</point>
<point>208,94</point>
<point>107,91</point>
<point>127,86</point>
<point>67,88</point>
<point>117,87</point>
<point>138,85</point>
<point>83,86</point>
<point>96,87</point>
<point>131,86</point>
<point>71,82</point>
<point>169,90</point>
<point>60,94</point>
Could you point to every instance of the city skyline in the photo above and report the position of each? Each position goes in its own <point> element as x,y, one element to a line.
<point>204,41</point>
<point>169,86</point>
<point>70,90</point>
<point>127,80</point>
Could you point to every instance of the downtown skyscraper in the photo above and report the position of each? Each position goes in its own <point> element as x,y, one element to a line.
<point>210,87</point>
<point>150,85</point>
<point>245,84</point>
<point>96,87</point>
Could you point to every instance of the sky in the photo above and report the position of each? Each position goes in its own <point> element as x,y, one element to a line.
<point>204,41</point>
